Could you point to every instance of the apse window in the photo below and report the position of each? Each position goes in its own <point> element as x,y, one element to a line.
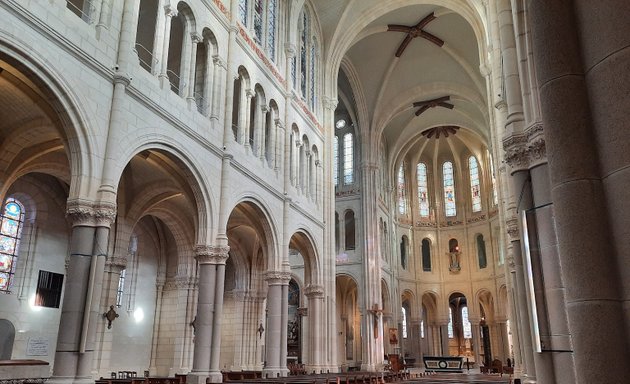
<point>49,287</point>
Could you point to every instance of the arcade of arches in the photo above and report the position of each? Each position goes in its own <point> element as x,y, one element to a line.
<point>191,187</point>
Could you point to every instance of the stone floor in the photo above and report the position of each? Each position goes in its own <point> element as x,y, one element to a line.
<point>456,378</point>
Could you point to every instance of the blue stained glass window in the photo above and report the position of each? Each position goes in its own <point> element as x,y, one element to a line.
<point>271,28</point>
<point>12,219</point>
<point>258,21</point>
<point>402,206</point>
<point>336,160</point>
<point>348,159</point>
<point>449,189</point>
<point>475,188</point>
<point>242,11</point>
<point>450,323</point>
<point>313,76</point>
<point>423,190</point>
<point>404,323</point>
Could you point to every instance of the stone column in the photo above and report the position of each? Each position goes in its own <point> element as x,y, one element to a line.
<point>262,150</point>
<point>80,310</point>
<point>219,255</point>
<point>245,115</point>
<point>169,12</point>
<point>195,39</point>
<point>281,150</point>
<point>316,330</point>
<point>204,320</point>
<point>275,363</point>
<point>476,340</point>
<point>444,339</point>
<point>187,64</point>
<point>568,89</point>
<point>214,97</point>
<point>157,320</point>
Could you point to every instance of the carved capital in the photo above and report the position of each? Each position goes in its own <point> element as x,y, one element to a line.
<point>185,282</point>
<point>277,277</point>
<point>104,214</point>
<point>330,103</point>
<point>208,254</point>
<point>512,228</point>
<point>217,60</point>
<point>170,11</point>
<point>290,50</point>
<point>249,93</point>
<point>196,38</point>
<point>314,291</point>
<point>80,212</point>
<point>115,263</point>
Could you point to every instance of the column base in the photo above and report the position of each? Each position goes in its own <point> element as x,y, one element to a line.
<point>270,373</point>
<point>215,377</point>
<point>368,367</point>
<point>197,377</point>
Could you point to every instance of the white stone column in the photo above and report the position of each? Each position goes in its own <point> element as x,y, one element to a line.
<point>257,126</point>
<point>280,153</point>
<point>275,366</point>
<point>212,90</point>
<point>262,147</point>
<point>169,13</point>
<point>316,331</point>
<point>187,63</point>
<point>477,344</point>
<point>244,118</point>
<point>195,39</point>
<point>218,257</point>
<point>157,320</point>
<point>444,339</point>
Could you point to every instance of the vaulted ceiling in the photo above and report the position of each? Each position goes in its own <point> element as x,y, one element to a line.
<point>385,87</point>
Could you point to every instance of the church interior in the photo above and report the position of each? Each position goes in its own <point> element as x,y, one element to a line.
<point>201,187</point>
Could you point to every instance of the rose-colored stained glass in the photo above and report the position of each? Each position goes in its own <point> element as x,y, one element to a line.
<point>5,263</point>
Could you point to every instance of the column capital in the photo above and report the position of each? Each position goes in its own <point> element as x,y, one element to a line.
<point>115,263</point>
<point>170,11</point>
<point>512,228</point>
<point>196,37</point>
<point>217,60</point>
<point>88,213</point>
<point>249,93</point>
<point>290,50</point>
<point>330,103</point>
<point>264,108</point>
<point>314,291</point>
<point>209,254</point>
<point>277,277</point>
<point>279,123</point>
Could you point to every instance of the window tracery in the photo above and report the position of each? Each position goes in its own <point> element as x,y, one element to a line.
<point>12,222</point>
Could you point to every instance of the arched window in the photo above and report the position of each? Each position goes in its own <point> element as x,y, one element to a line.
<point>145,33</point>
<point>242,12</point>
<point>12,219</point>
<point>258,21</point>
<point>121,288</point>
<point>350,232</point>
<point>475,189</point>
<point>336,160</point>
<point>422,329</point>
<point>481,252</point>
<point>426,255</point>
<point>423,190</point>
<point>450,323</point>
<point>404,246</point>
<point>466,323</point>
<point>402,198</point>
<point>312,71</point>
<point>404,323</point>
<point>272,16</point>
<point>449,189</point>
<point>348,159</point>
<point>303,50</point>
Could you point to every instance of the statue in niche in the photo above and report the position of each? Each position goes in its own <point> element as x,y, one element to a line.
<point>454,256</point>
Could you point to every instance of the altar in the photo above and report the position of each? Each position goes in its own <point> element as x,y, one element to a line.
<point>453,364</point>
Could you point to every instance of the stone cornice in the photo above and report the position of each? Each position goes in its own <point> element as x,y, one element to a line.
<point>209,254</point>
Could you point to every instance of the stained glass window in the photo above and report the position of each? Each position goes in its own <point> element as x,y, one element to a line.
<point>304,42</point>
<point>404,323</point>
<point>294,71</point>
<point>258,20</point>
<point>422,329</point>
<point>271,28</point>
<point>121,288</point>
<point>336,160</point>
<point>466,324</point>
<point>423,191</point>
<point>12,218</point>
<point>449,189</point>
<point>242,11</point>
<point>402,207</point>
<point>312,97</point>
<point>475,190</point>
<point>348,159</point>
<point>450,323</point>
